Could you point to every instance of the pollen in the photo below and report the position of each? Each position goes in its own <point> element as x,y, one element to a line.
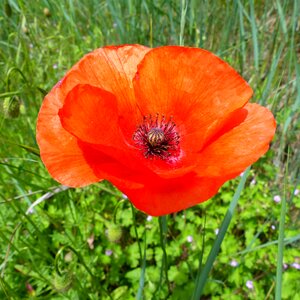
<point>157,138</point>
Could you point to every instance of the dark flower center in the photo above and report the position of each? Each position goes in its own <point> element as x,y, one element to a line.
<point>157,138</point>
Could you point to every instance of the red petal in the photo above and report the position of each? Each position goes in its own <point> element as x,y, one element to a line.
<point>240,147</point>
<point>171,195</point>
<point>70,161</point>
<point>194,86</point>
<point>91,114</point>
<point>115,170</point>
<point>110,68</point>
<point>59,149</point>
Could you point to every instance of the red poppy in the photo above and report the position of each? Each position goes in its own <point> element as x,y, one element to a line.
<point>167,126</point>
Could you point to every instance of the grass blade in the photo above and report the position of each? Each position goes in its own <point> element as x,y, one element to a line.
<point>184,7</point>
<point>242,38</point>
<point>286,241</point>
<point>281,241</point>
<point>271,74</point>
<point>202,277</point>
<point>282,19</point>
<point>254,35</point>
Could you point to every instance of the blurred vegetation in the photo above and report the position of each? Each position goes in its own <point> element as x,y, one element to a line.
<point>82,243</point>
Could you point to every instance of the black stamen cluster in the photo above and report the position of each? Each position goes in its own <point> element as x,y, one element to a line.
<point>157,138</point>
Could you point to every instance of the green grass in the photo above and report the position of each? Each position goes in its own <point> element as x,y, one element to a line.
<point>60,250</point>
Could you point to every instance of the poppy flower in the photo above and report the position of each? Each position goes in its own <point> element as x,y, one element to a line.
<point>167,126</point>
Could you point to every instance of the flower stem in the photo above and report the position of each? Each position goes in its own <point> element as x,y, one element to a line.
<point>143,270</point>
<point>163,237</point>
<point>136,233</point>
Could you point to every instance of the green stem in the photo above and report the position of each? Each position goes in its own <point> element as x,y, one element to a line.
<point>94,278</point>
<point>203,275</point>
<point>281,238</point>
<point>163,237</point>
<point>202,251</point>
<point>136,233</point>
<point>143,270</point>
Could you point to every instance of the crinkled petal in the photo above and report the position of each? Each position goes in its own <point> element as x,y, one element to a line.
<point>113,168</point>
<point>240,147</point>
<point>172,195</point>
<point>194,86</point>
<point>59,149</point>
<point>110,69</point>
<point>71,162</point>
<point>91,114</point>
<point>197,89</point>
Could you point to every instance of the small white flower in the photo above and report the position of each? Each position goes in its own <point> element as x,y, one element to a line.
<point>249,284</point>
<point>149,218</point>
<point>55,66</point>
<point>273,227</point>
<point>217,231</point>
<point>108,252</point>
<point>296,192</point>
<point>277,198</point>
<point>189,239</point>
<point>295,266</point>
<point>90,241</point>
<point>234,263</point>
<point>30,210</point>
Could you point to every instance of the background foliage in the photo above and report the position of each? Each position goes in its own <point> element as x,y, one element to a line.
<point>88,243</point>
